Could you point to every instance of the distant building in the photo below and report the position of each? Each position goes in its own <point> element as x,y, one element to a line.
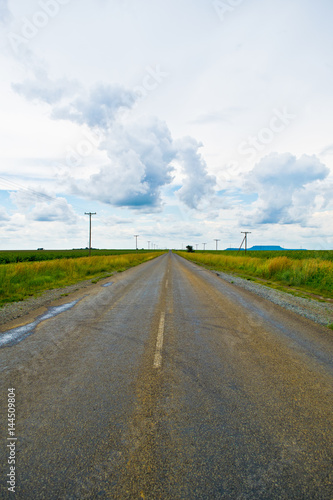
<point>263,248</point>
<point>272,248</point>
<point>268,248</point>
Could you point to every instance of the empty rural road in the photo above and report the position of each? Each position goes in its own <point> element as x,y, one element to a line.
<point>169,384</point>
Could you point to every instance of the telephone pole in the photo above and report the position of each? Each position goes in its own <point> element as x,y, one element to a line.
<point>244,239</point>
<point>216,243</point>
<point>148,245</point>
<point>90,214</point>
<point>204,245</point>
<point>136,241</point>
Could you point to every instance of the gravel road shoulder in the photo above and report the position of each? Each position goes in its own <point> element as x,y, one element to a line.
<point>319,312</point>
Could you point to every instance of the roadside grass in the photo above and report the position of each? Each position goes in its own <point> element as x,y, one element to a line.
<point>312,275</point>
<point>24,279</point>
<point>271,254</point>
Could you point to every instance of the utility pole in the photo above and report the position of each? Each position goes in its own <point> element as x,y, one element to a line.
<point>244,239</point>
<point>136,241</point>
<point>196,246</point>
<point>90,214</point>
<point>148,245</point>
<point>204,245</point>
<point>216,243</point>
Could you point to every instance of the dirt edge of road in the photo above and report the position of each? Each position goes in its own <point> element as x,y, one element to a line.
<point>15,310</point>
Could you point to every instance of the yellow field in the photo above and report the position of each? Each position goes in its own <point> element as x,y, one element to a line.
<point>311,274</point>
<point>17,281</point>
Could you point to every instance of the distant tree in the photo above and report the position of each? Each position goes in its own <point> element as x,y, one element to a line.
<point>190,248</point>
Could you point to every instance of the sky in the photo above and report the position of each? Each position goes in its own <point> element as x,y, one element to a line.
<point>182,122</point>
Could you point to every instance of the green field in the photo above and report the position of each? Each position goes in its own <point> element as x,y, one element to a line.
<point>306,271</point>
<point>11,256</point>
<point>22,279</point>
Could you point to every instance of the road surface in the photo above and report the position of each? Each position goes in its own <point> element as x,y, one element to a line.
<point>169,383</point>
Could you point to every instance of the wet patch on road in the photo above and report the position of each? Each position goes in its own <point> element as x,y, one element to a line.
<point>16,335</point>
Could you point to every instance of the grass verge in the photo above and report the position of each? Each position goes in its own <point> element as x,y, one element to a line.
<point>306,275</point>
<point>24,279</point>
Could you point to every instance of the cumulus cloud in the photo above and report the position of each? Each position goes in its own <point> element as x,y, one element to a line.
<point>142,157</point>
<point>42,88</point>
<point>58,210</point>
<point>42,207</point>
<point>286,187</point>
<point>140,153</point>
<point>140,164</point>
<point>197,184</point>
<point>95,108</point>
<point>99,108</point>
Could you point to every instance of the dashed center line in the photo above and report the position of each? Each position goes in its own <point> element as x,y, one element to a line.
<point>159,343</point>
<point>166,283</point>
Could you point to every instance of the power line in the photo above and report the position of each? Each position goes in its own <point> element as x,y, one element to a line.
<point>38,194</point>
<point>14,186</point>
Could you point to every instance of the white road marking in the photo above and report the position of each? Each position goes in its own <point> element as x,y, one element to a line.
<point>166,283</point>
<point>159,343</point>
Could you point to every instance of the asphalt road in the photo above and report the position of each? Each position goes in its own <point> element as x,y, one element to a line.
<point>169,384</point>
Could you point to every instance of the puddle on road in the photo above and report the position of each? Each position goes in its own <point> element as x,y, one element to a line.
<point>108,284</point>
<point>16,335</point>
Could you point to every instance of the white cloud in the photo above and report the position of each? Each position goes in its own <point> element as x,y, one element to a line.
<point>58,210</point>
<point>4,217</point>
<point>197,183</point>
<point>286,186</point>
<point>140,153</point>
<point>43,89</point>
<point>140,157</point>
<point>95,108</point>
<point>43,208</point>
<point>98,108</point>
